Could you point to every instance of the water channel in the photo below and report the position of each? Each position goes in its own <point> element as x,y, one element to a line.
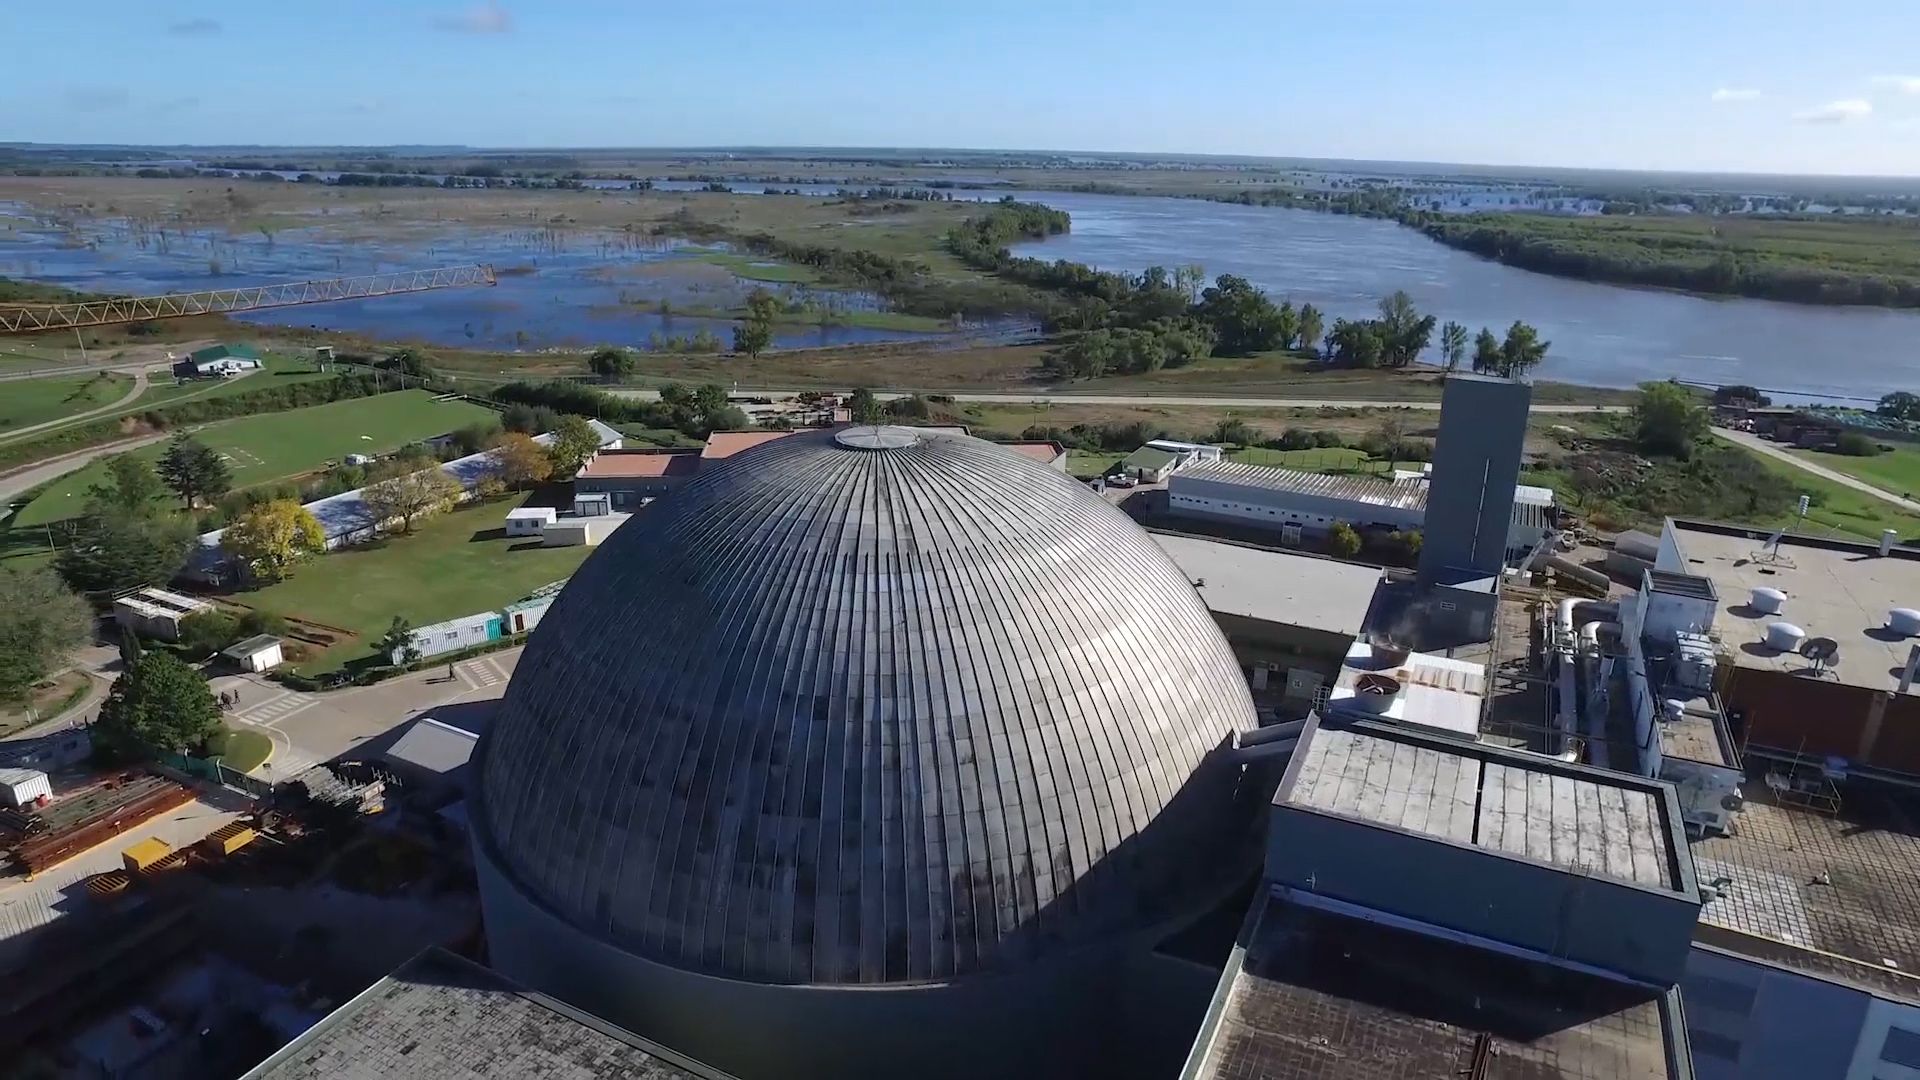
<point>568,288</point>
<point>1602,335</point>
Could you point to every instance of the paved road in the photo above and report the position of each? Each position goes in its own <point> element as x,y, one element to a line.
<point>1774,450</point>
<point>1160,399</point>
<point>13,483</point>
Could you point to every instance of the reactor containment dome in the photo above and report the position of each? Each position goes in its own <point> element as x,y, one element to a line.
<point>863,709</point>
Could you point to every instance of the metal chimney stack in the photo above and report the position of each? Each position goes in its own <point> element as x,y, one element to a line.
<point>1476,466</point>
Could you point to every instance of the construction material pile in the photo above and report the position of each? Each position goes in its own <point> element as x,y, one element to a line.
<point>39,839</point>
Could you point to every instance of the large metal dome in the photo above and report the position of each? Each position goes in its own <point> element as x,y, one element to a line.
<point>869,706</point>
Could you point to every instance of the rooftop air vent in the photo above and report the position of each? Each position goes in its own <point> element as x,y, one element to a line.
<point>1767,601</point>
<point>1784,636</point>
<point>1904,621</point>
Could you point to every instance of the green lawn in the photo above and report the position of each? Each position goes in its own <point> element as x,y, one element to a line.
<point>274,446</point>
<point>1087,464</point>
<point>27,402</point>
<point>1330,460</point>
<point>754,268</point>
<point>245,750</point>
<point>1842,508</point>
<point>1897,470</point>
<point>457,564</point>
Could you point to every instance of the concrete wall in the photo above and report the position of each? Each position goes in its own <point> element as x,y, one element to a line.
<point>1058,1019</point>
<point>1636,932</point>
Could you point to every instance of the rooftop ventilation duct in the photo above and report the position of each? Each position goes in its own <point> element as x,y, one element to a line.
<point>1767,601</point>
<point>1784,636</point>
<point>1904,621</point>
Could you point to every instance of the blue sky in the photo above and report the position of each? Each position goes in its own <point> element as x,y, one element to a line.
<point>1759,85</point>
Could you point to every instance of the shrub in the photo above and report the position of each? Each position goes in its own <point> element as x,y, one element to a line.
<point>1327,440</point>
<point>207,632</point>
<point>262,622</point>
<point>1292,438</point>
<point>1854,444</point>
<point>1342,541</point>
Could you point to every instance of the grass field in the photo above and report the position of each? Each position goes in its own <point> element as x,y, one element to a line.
<point>1339,460</point>
<point>245,750</point>
<point>1897,470</point>
<point>457,564</point>
<point>1839,507</point>
<point>748,268</point>
<point>262,449</point>
<point>27,402</point>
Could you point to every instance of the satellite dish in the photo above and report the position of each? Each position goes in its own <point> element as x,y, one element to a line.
<point>1821,652</point>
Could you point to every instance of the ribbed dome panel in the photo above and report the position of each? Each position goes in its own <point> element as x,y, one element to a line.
<point>870,707</point>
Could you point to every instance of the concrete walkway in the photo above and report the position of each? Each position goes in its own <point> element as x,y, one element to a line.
<point>1759,445</point>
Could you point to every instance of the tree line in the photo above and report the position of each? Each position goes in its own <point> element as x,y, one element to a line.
<point>1679,266</point>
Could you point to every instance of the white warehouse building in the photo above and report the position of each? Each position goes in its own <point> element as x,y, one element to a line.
<point>1302,506</point>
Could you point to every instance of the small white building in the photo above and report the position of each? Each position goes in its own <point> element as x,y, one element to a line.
<point>576,531</point>
<point>24,787</point>
<point>529,520</point>
<point>1187,453</point>
<point>258,653</point>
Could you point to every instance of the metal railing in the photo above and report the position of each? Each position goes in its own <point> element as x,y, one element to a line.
<point>35,317</point>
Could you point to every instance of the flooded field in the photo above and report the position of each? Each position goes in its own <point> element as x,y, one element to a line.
<point>559,285</point>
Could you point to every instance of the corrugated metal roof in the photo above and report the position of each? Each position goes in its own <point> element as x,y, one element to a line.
<point>1411,495</point>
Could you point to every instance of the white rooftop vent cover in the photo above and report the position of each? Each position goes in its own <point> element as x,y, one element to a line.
<point>1784,636</point>
<point>1767,601</point>
<point>1904,621</point>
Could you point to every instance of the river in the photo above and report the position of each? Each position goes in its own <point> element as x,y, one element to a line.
<point>1602,335</point>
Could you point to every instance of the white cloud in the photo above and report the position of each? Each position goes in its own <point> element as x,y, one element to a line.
<point>487,18</point>
<point>193,28</point>
<point>96,98</point>
<point>1835,112</point>
<point>1906,84</point>
<point>1730,94</point>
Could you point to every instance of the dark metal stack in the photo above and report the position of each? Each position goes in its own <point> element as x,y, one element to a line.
<point>43,839</point>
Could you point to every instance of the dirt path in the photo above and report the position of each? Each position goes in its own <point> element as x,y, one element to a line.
<point>1761,446</point>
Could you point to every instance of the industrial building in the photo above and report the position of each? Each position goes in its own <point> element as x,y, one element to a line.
<point>439,1017</point>
<point>1848,702</point>
<point>1436,908</point>
<point>216,361</point>
<point>1290,617</point>
<point>630,477</point>
<point>1300,506</point>
<point>1483,423</point>
<point>156,613</point>
<point>908,770</point>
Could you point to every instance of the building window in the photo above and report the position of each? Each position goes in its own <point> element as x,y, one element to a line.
<point>1901,1048</point>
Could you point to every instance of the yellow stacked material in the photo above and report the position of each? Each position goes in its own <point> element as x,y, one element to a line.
<point>229,839</point>
<point>145,854</point>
